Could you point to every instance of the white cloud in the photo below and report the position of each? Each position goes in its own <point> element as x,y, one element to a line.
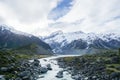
<point>86,15</point>
<point>95,13</point>
<point>26,15</point>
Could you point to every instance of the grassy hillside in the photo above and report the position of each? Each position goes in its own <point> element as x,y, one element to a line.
<point>32,49</point>
<point>11,60</point>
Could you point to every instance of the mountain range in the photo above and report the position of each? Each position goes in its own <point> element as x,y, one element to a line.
<point>12,39</point>
<point>58,42</point>
<point>80,42</point>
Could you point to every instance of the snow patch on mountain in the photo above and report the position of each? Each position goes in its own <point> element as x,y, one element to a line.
<point>11,29</point>
<point>59,41</point>
<point>61,37</point>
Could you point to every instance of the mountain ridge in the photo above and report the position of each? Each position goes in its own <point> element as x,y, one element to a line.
<point>60,41</point>
<point>11,39</point>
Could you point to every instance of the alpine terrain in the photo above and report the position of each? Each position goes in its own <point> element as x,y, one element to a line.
<point>11,38</point>
<point>80,42</point>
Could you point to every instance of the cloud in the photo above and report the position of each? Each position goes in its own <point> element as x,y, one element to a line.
<point>2,20</point>
<point>41,17</point>
<point>30,10</point>
<point>99,16</point>
<point>26,15</point>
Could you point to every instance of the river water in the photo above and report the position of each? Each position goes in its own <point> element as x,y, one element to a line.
<point>50,75</point>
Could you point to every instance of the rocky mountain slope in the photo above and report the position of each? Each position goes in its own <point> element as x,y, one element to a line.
<point>11,38</point>
<point>76,42</point>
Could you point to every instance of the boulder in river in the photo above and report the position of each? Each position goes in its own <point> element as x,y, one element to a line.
<point>45,59</point>
<point>43,70</point>
<point>59,74</point>
<point>36,62</point>
<point>49,67</point>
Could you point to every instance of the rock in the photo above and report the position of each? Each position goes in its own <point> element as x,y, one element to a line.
<point>24,74</point>
<point>43,69</point>
<point>94,77</point>
<point>41,76</point>
<point>2,77</point>
<point>76,77</point>
<point>4,69</point>
<point>15,72</point>
<point>26,63</point>
<point>36,62</point>
<point>118,67</point>
<point>69,68</point>
<point>30,70</point>
<point>61,64</point>
<point>49,67</point>
<point>18,78</point>
<point>11,66</point>
<point>115,75</point>
<point>59,74</point>
<point>64,79</point>
<point>115,59</point>
<point>86,78</point>
<point>45,59</point>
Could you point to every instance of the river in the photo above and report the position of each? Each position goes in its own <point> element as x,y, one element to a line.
<point>50,75</point>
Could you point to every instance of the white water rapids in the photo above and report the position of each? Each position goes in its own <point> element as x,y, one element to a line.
<point>50,75</point>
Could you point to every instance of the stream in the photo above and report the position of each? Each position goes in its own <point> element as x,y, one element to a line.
<point>51,74</point>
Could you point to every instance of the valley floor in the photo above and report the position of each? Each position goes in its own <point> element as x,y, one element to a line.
<point>54,73</point>
<point>31,67</point>
<point>101,66</point>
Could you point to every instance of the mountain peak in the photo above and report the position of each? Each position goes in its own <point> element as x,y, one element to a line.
<point>5,27</point>
<point>72,40</point>
<point>11,29</point>
<point>57,32</point>
<point>78,32</point>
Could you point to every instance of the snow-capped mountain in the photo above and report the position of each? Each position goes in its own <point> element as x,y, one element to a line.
<point>4,27</point>
<point>61,42</point>
<point>11,38</point>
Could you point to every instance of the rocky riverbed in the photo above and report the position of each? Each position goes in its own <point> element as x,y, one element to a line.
<point>37,69</point>
<point>25,70</point>
<point>101,66</point>
<point>18,67</point>
<point>56,73</point>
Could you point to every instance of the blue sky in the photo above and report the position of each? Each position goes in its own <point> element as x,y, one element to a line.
<point>61,9</point>
<point>42,17</point>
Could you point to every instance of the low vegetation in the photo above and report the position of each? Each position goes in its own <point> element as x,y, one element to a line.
<point>103,66</point>
<point>11,60</point>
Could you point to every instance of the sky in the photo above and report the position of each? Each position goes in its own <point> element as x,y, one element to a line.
<point>42,17</point>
